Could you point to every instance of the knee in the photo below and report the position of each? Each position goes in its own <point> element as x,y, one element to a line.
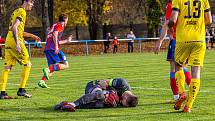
<point>7,68</point>
<point>28,64</point>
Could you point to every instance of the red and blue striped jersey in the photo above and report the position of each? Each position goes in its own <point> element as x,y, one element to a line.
<point>50,45</point>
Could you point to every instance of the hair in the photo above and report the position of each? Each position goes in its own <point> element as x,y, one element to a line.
<point>62,17</point>
<point>169,1</point>
<point>24,1</point>
<point>132,101</point>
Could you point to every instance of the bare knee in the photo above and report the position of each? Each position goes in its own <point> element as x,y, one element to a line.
<point>8,68</point>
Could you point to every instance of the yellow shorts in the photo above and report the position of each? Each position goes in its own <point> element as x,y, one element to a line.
<point>191,51</point>
<point>11,55</point>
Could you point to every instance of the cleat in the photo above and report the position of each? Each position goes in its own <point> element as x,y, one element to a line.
<point>60,105</point>
<point>186,109</point>
<point>24,94</point>
<point>180,101</point>
<point>46,73</point>
<point>42,84</point>
<point>5,96</point>
<point>68,107</point>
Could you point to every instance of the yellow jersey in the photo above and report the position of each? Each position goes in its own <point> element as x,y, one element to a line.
<point>191,23</point>
<point>20,14</point>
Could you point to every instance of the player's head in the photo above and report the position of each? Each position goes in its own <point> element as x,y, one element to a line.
<point>131,32</point>
<point>28,4</point>
<point>63,18</point>
<point>129,100</point>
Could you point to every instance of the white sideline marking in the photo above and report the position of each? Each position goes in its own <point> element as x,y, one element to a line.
<point>141,88</point>
<point>163,89</point>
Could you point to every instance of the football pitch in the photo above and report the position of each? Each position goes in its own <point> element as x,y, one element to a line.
<point>147,73</point>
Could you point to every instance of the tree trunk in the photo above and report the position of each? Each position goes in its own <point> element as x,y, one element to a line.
<point>45,18</point>
<point>50,11</point>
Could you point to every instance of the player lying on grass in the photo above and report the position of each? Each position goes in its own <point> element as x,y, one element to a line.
<point>96,97</point>
<point>55,57</point>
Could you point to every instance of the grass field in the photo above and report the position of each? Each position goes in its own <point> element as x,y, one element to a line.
<point>148,74</point>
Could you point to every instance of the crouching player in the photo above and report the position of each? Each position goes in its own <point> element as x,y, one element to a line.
<point>55,57</point>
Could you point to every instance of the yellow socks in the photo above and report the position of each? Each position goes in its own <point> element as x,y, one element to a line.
<point>194,89</point>
<point>4,79</point>
<point>25,75</point>
<point>180,79</point>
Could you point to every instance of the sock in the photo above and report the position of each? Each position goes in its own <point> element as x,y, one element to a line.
<point>44,78</point>
<point>180,79</point>
<point>176,97</point>
<point>53,68</point>
<point>4,79</point>
<point>194,89</point>
<point>73,104</point>
<point>25,75</point>
<point>188,76</point>
<point>173,83</point>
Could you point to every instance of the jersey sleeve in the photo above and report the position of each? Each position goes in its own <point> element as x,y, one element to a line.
<point>175,5</point>
<point>168,11</point>
<point>206,6</point>
<point>21,15</point>
<point>58,28</point>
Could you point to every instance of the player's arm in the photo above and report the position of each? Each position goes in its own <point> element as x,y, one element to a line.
<point>208,17</point>
<point>55,38</point>
<point>173,18</point>
<point>15,34</point>
<point>34,37</point>
<point>163,34</point>
<point>69,39</point>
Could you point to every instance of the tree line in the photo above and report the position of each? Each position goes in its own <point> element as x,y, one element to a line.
<point>92,13</point>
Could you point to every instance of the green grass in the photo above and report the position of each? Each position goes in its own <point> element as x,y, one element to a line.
<point>147,73</point>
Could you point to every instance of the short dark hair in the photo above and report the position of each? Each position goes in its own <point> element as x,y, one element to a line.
<point>132,101</point>
<point>62,17</point>
<point>24,1</point>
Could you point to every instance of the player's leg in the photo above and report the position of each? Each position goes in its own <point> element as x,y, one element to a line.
<point>5,73</point>
<point>194,88</point>
<point>9,61</point>
<point>170,58</point>
<point>173,83</point>
<point>24,60</point>
<point>196,60</point>
<point>182,52</point>
<point>188,76</point>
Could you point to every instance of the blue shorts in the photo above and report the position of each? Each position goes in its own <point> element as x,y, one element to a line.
<point>171,50</point>
<point>53,58</point>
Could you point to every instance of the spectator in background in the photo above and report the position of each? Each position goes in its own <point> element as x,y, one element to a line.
<point>213,16</point>
<point>106,43</point>
<point>212,33</point>
<point>115,44</point>
<point>2,41</point>
<point>207,38</point>
<point>131,42</point>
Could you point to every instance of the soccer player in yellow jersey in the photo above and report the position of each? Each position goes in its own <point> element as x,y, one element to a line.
<point>15,49</point>
<point>191,16</point>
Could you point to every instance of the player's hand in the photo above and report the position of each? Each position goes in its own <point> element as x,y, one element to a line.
<point>56,51</point>
<point>112,99</point>
<point>18,49</point>
<point>36,38</point>
<point>70,38</point>
<point>157,47</point>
